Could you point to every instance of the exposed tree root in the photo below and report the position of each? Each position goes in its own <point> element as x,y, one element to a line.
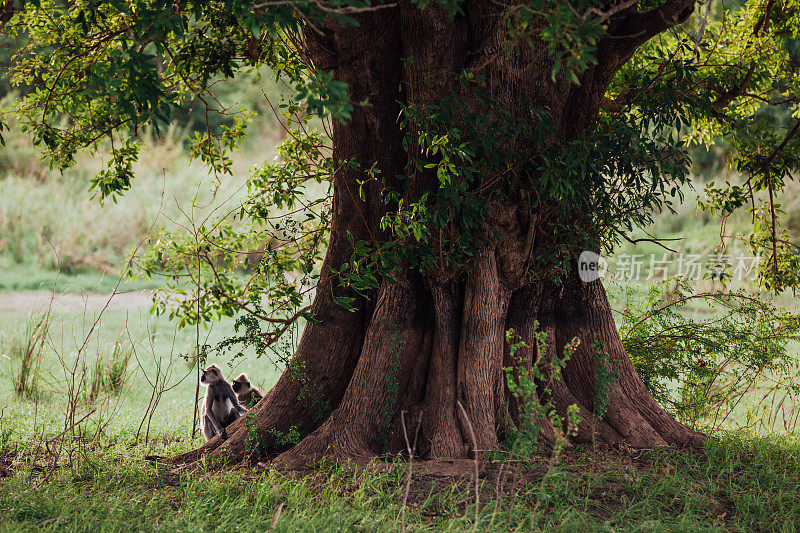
<point>362,425</point>
<point>409,360</point>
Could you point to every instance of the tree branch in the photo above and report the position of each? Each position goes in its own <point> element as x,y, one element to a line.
<point>726,98</point>
<point>7,13</point>
<point>638,28</point>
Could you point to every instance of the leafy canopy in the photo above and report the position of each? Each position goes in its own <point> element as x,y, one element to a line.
<point>92,73</point>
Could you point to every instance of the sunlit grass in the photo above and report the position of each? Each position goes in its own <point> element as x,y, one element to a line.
<point>154,349</point>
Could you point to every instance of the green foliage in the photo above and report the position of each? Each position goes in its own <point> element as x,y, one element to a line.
<point>214,149</point>
<point>571,38</point>
<point>323,96</point>
<point>724,85</point>
<point>256,442</point>
<point>523,380</point>
<point>116,178</point>
<point>285,439</point>
<point>702,370</point>
<point>781,269</point>
<point>97,69</point>
<point>309,393</point>
<point>605,378</point>
<point>266,249</point>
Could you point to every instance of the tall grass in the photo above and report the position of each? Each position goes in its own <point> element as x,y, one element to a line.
<point>109,372</point>
<point>105,374</point>
<point>26,349</point>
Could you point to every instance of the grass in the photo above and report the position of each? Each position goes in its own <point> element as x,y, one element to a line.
<point>109,372</point>
<point>24,277</point>
<point>27,351</point>
<point>96,346</point>
<point>737,484</point>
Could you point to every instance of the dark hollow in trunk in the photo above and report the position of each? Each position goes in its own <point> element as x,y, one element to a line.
<point>421,346</point>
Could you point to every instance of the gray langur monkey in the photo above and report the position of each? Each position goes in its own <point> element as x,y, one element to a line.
<point>248,395</point>
<point>220,405</point>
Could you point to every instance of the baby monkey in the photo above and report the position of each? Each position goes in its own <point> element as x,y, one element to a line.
<point>220,405</point>
<point>248,395</point>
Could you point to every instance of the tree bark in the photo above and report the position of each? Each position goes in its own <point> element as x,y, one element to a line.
<point>419,347</point>
<point>316,379</point>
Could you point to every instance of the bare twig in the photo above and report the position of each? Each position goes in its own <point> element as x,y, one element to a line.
<point>702,27</point>
<point>498,487</point>
<point>411,450</point>
<point>605,15</point>
<point>639,27</point>
<point>275,519</point>
<point>654,240</point>
<point>197,349</point>
<point>410,464</point>
<point>54,455</point>
<point>475,451</point>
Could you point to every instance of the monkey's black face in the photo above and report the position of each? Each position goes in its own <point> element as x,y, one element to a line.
<point>236,386</point>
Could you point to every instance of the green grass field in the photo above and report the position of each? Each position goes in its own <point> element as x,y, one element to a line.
<point>738,484</point>
<point>81,333</point>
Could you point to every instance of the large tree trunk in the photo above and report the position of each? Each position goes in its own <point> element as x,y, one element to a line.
<point>425,347</point>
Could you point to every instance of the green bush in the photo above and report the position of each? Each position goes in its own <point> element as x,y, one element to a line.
<point>730,364</point>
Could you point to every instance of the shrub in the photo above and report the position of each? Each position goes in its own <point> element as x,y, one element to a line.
<point>730,367</point>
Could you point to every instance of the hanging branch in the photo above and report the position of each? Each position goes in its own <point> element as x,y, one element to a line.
<point>767,176</point>
<point>638,28</point>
